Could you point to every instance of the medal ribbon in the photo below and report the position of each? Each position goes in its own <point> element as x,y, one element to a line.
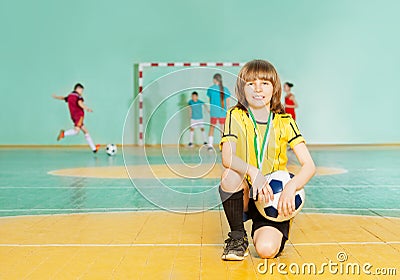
<point>260,153</point>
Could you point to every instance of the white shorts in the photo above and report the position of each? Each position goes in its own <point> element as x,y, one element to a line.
<point>196,123</point>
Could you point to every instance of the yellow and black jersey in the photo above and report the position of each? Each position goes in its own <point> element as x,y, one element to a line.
<point>240,129</point>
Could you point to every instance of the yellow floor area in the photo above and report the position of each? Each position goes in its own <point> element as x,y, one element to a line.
<point>205,171</point>
<point>162,245</point>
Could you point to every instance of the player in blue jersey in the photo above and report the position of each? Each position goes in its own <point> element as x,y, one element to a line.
<point>219,103</point>
<point>196,117</point>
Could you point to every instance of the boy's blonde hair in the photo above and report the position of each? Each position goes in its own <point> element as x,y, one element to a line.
<point>261,70</point>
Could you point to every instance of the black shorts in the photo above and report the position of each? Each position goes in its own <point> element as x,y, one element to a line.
<point>259,221</point>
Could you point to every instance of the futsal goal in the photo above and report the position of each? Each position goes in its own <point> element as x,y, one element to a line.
<point>162,90</point>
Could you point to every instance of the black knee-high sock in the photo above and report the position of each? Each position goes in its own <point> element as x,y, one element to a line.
<point>233,207</point>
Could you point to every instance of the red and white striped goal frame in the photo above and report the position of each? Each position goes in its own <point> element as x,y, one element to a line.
<point>142,65</point>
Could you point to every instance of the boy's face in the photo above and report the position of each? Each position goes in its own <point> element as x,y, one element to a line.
<point>195,97</point>
<point>258,93</point>
<point>79,90</point>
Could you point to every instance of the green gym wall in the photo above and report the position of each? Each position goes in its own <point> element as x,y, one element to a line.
<point>342,56</point>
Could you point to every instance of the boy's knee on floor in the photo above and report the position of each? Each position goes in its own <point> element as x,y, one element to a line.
<point>267,250</point>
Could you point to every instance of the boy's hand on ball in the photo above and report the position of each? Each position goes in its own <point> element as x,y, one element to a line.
<point>266,193</point>
<point>260,186</point>
<point>286,203</point>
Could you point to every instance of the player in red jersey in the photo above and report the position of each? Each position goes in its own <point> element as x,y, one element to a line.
<point>77,111</point>
<point>290,100</point>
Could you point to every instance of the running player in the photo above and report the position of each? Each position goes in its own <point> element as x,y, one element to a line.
<point>77,111</point>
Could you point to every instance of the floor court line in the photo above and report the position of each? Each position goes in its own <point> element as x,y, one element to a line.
<point>197,245</point>
<point>205,186</point>
<point>102,210</point>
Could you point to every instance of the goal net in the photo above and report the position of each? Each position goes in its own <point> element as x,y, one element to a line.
<point>160,112</point>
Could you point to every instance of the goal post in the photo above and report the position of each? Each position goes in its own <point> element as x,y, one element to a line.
<point>140,81</point>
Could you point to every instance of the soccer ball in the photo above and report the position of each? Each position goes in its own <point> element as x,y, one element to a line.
<point>111,149</point>
<point>277,181</point>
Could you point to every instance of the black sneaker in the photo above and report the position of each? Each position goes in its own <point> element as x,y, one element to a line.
<point>235,249</point>
<point>190,145</point>
<point>205,143</point>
